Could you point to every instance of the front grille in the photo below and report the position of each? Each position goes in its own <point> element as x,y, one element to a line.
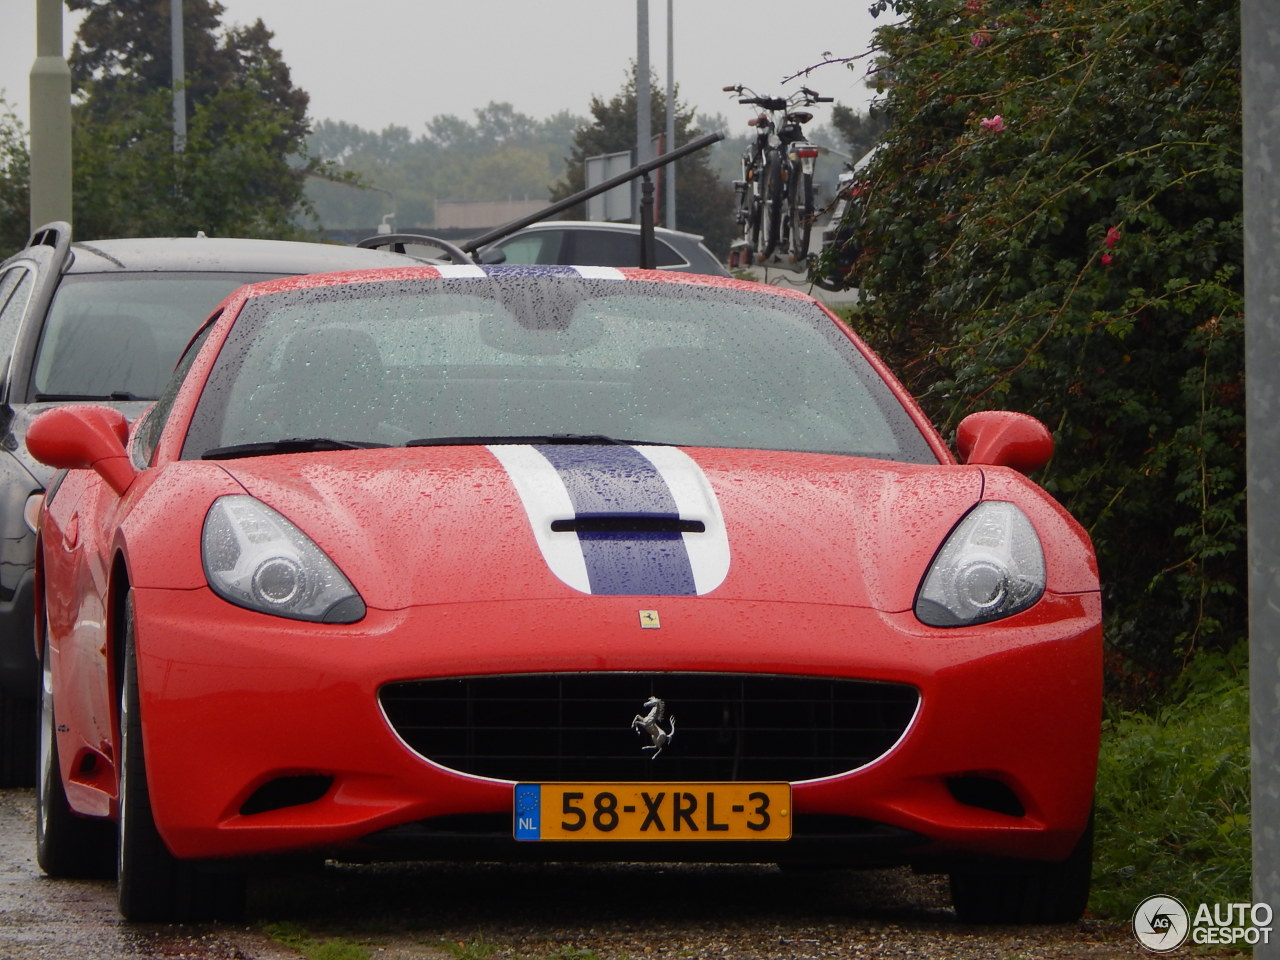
<point>577,726</point>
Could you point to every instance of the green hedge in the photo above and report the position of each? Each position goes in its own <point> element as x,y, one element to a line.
<point>1173,795</point>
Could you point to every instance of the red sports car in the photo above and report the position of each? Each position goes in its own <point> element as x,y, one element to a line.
<point>558,563</point>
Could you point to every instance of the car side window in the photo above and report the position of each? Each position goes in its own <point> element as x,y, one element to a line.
<point>540,247</point>
<point>609,248</point>
<point>154,420</point>
<point>15,292</point>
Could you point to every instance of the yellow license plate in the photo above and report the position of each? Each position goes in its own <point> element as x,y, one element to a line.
<point>653,811</point>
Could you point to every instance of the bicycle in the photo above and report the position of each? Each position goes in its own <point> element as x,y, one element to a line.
<point>777,169</point>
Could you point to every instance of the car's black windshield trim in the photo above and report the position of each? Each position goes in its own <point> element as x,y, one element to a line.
<point>269,448</point>
<point>87,397</point>
<point>531,439</point>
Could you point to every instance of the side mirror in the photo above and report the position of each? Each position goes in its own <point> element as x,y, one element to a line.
<point>1002,438</point>
<point>84,437</point>
<point>493,255</point>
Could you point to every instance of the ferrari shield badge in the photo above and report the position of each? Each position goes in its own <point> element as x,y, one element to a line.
<point>649,620</point>
<point>650,725</point>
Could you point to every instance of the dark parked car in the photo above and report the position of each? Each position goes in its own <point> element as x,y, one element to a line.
<point>591,243</point>
<point>101,321</point>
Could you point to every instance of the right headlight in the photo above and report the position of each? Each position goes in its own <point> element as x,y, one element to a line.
<point>990,567</point>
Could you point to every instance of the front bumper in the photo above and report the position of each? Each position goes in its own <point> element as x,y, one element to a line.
<point>235,704</point>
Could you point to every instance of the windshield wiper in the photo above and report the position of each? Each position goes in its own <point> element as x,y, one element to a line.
<point>266,448</point>
<point>531,439</point>
<point>88,397</point>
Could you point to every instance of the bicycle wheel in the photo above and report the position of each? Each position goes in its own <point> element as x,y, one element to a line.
<point>751,231</point>
<point>771,207</point>
<point>801,215</point>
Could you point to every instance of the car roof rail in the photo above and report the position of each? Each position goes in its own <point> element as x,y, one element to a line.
<point>56,234</point>
<point>396,242</point>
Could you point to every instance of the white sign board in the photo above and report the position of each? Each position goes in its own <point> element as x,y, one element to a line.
<point>615,204</point>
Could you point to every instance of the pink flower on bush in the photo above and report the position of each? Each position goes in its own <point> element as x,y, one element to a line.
<point>993,124</point>
<point>980,39</point>
<point>1112,237</point>
<point>1106,259</point>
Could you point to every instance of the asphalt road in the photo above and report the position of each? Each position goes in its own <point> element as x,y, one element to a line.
<point>532,912</point>
<point>43,919</point>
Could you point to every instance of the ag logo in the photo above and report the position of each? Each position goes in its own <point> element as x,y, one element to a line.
<point>1161,924</point>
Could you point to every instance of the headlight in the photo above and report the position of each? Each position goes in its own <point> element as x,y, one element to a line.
<point>255,558</point>
<point>990,567</point>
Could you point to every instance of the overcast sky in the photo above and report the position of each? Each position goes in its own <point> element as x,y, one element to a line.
<point>381,62</point>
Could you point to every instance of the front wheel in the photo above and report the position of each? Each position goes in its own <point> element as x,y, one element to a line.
<point>67,845</point>
<point>153,884</point>
<point>1027,892</point>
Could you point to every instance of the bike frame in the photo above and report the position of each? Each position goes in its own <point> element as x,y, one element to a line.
<point>777,168</point>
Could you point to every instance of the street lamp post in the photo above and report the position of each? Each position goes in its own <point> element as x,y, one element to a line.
<point>670,173</point>
<point>644,107</point>
<point>50,88</point>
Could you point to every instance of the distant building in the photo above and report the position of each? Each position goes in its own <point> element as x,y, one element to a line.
<point>480,215</point>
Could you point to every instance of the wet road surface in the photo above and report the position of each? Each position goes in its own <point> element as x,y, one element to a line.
<point>532,912</point>
<point>43,919</point>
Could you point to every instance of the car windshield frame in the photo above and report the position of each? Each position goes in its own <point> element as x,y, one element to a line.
<point>545,353</point>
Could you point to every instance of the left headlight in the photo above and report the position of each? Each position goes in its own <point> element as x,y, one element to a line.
<point>990,567</point>
<point>255,558</point>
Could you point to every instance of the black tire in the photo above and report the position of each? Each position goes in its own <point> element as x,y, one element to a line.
<point>152,884</point>
<point>752,232</point>
<point>801,214</point>
<point>17,741</point>
<point>67,845</point>
<point>770,207</point>
<point>1026,892</point>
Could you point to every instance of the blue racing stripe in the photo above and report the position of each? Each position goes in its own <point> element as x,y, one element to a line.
<point>606,481</point>
<point>497,271</point>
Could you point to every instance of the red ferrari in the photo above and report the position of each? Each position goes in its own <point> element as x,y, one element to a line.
<point>563,563</point>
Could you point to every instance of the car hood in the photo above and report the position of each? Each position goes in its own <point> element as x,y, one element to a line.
<point>435,525</point>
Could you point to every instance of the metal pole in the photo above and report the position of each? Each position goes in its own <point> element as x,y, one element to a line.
<point>50,90</point>
<point>179,61</point>
<point>644,107</point>
<point>647,247</point>
<point>1260,23</point>
<point>669,175</point>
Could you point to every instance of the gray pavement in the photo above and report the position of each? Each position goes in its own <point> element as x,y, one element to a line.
<point>43,919</point>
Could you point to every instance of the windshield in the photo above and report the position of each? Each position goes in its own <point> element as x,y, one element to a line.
<point>518,356</point>
<point>117,336</point>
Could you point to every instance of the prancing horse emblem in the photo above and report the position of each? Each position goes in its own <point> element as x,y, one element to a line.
<point>651,725</point>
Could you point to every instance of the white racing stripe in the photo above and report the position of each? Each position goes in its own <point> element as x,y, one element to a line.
<point>554,483</point>
<point>545,499</point>
<point>708,551</point>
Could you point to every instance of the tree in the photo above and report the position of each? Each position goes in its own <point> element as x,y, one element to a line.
<point>1054,225</point>
<point>15,183</point>
<point>123,49</point>
<point>244,163</point>
<point>500,155</point>
<point>704,204</point>
<point>860,131</point>
<point>231,180</point>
